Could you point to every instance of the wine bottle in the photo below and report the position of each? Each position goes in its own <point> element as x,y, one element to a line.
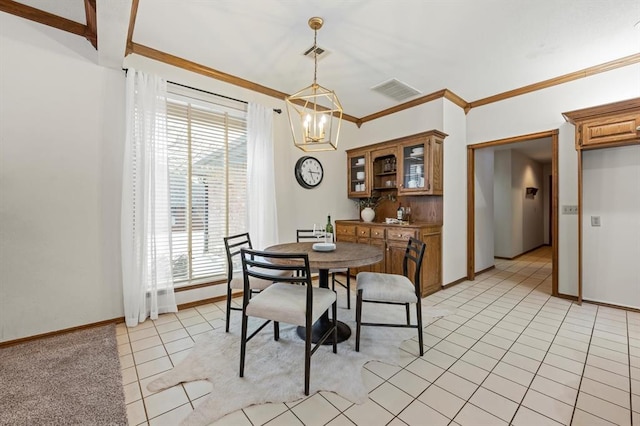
<point>329,229</point>
<point>400,212</point>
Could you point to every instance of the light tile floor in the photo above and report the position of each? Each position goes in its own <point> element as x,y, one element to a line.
<point>511,354</point>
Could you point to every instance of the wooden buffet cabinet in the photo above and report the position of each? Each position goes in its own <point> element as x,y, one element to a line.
<point>392,239</point>
<point>410,169</point>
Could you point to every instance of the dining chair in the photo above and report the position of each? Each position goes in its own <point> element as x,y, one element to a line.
<point>309,234</point>
<point>233,244</point>
<point>283,301</point>
<point>393,289</point>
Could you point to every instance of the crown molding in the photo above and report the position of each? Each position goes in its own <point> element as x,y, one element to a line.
<point>40,16</point>
<point>90,33</point>
<point>586,72</point>
<point>622,107</point>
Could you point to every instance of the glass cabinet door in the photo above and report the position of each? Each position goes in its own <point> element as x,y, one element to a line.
<point>413,166</point>
<point>358,175</point>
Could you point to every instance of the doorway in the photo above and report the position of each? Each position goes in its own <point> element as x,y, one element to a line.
<point>471,199</point>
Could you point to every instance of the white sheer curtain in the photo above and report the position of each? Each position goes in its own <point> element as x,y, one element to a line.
<point>262,211</point>
<point>146,215</point>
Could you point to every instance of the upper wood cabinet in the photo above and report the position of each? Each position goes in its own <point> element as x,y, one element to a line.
<point>421,165</point>
<point>608,125</point>
<point>412,165</point>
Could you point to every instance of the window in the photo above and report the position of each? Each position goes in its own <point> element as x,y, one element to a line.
<point>207,147</point>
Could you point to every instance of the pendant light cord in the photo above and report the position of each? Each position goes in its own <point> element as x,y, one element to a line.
<point>315,56</point>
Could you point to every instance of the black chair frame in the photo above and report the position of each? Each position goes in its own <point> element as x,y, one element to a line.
<point>415,253</point>
<point>301,275</point>
<point>233,244</point>
<point>307,234</point>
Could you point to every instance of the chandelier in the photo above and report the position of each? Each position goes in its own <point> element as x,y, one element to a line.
<point>315,113</point>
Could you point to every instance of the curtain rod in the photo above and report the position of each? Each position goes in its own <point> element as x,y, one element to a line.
<point>278,110</point>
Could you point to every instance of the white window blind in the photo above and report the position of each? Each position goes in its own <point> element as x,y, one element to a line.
<point>208,185</point>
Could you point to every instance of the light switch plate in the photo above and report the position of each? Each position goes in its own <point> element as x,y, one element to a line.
<point>595,220</point>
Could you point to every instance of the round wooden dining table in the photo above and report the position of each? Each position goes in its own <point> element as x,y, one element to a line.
<point>346,255</point>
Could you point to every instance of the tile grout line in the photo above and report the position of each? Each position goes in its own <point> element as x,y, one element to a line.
<point>487,332</point>
<point>606,384</point>
<point>575,407</point>
<point>135,366</point>
<point>542,362</point>
<point>507,351</point>
<point>433,347</point>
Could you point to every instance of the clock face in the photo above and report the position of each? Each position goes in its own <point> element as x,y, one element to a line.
<point>308,172</point>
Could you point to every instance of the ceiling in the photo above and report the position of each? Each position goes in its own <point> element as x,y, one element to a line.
<point>474,48</point>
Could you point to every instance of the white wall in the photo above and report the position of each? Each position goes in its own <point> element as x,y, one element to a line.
<point>528,214</point>
<point>407,122</point>
<point>502,213</point>
<point>546,203</point>
<point>61,145</point>
<point>484,208</point>
<point>542,111</point>
<point>610,253</point>
<point>517,220</point>
<point>454,229</point>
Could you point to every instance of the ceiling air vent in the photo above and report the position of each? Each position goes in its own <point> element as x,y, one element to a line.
<point>396,90</point>
<point>319,51</point>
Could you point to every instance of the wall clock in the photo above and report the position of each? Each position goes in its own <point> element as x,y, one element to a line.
<point>309,172</point>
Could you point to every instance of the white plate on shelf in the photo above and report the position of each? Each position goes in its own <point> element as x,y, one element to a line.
<point>324,246</point>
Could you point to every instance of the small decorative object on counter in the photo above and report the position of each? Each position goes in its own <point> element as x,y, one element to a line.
<point>367,206</point>
<point>406,215</point>
<point>368,214</point>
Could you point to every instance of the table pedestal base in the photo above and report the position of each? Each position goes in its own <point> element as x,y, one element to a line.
<point>321,326</point>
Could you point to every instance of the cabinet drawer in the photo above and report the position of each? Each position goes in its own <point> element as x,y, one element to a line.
<point>377,232</point>
<point>363,231</point>
<point>346,230</point>
<point>611,130</point>
<point>400,234</point>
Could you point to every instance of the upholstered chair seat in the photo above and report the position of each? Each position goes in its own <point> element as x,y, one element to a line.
<point>386,287</point>
<point>287,303</point>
